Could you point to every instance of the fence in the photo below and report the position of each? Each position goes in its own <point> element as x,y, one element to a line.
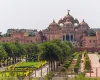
<point>60,75</point>
<point>94,72</point>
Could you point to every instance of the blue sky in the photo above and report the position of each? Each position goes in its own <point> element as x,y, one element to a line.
<point>38,14</point>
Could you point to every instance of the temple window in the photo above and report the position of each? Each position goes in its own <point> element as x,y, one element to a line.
<point>3,41</point>
<point>31,41</point>
<point>94,41</point>
<point>90,41</point>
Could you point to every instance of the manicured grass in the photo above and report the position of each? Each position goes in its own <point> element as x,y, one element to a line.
<point>31,64</point>
<point>21,69</point>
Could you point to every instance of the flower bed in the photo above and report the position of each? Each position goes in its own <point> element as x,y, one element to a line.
<point>22,69</point>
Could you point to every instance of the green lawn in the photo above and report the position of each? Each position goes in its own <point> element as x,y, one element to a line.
<point>31,64</point>
<point>21,69</point>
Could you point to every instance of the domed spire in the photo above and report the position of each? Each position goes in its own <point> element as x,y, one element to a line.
<point>68,18</point>
<point>83,20</point>
<point>60,21</point>
<point>83,23</point>
<point>68,12</point>
<point>54,21</point>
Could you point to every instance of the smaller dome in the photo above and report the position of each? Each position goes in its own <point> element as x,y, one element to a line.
<point>53,24</point>
<point>68,23</point>
<point>83,23</point>
<point>60,21</point>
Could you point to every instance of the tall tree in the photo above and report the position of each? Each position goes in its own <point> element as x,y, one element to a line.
<point>91,32</point>
<point>50,52</point>
<point>3,54</point>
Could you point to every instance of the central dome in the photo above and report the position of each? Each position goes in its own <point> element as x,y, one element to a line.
<point>68,24</point>
<point>68,17</point>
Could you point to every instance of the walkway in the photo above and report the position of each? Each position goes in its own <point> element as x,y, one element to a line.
<point>38,72</point>
<point>95,65</point>
<point>82,64</point>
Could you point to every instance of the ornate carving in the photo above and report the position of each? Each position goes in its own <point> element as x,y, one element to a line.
<point>43,37</point>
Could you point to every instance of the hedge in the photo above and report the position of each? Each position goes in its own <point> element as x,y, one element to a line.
<point>87,62</point>
<point>67,64</point>
<point>76,67</point>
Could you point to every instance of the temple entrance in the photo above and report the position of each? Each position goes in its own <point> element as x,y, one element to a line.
<point>67,37</point>
<point>63,37</point>
<point>71,37</point>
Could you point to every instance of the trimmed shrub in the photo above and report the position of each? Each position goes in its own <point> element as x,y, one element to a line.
<point>76,67</point>
<point>87,62</point>
<point>70,60</point>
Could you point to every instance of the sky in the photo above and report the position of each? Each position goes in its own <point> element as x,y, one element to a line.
<point>38,14</point>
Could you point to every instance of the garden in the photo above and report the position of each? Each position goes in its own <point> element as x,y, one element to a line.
<point>21,60</point>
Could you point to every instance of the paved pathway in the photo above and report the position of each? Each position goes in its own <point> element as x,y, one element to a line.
<point>38,72</point>
<point>82,64</point>
<point>95,64</point>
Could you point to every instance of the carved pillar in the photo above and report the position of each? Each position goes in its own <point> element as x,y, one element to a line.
<point>65,37</point>
<point>69,37</point>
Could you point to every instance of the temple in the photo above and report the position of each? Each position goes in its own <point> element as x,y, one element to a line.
<point>66,29</point>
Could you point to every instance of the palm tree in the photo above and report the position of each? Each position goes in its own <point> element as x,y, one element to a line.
<point>12,50</point>
<point>7,49</point>
<point>50,52</point>
<point>31,51</point>
<point>20,50</point>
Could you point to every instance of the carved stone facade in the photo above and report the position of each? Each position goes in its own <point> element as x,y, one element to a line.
<point>92,41</point>
<point>67,28</point>
<point>21,37</point>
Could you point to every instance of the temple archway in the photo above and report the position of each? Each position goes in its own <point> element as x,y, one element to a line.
<point>71,37</point>
<point>67,37</point>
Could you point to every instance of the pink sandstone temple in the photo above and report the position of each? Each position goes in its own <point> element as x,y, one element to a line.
<point>66,28</point>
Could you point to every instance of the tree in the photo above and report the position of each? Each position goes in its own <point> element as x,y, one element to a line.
<point>3,54</point>
<point>31,51</point>
<point>72,47</point>
<point>91,32</point>
<point>50,52</point>
<point>12,50</point>
<point>21,50</point>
